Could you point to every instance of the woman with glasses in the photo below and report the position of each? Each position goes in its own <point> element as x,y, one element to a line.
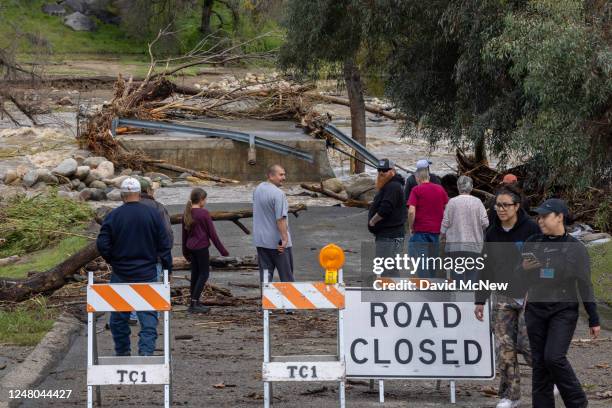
<point>557,265</point>
<point>503,247</point>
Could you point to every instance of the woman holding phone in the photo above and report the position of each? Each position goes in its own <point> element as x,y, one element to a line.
<point>503,247</point>
<point>198,232</point>
<point>557,265</point>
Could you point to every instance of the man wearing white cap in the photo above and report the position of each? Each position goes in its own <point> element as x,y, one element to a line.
<point>132,239</point>
<point>411,181</point>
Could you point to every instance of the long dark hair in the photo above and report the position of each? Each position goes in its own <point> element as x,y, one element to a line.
<point>197,195</point>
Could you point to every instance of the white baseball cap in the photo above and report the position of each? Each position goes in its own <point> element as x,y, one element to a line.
<point>130,185</point>
<point>423,164</point>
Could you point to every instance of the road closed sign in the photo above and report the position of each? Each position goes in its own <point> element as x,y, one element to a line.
<point>416,339</point>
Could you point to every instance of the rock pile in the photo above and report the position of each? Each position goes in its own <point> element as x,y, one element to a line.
<point>84,177</point>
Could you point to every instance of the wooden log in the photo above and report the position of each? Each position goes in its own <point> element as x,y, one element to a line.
<point>17,290</point>
<point>194,173</point>
<point>343,101</point>
<point>179,263</point>
<point>235,215</point>
<point>349,202</point>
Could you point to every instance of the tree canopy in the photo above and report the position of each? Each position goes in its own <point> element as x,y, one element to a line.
<point>527,79</point>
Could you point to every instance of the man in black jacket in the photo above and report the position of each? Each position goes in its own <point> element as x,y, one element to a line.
<point>387,214</point>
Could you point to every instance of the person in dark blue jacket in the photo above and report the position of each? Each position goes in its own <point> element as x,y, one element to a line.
<point>132,239</point>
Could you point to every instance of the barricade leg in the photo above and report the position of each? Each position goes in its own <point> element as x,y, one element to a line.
<point>266,340</point>
<point>381,391</point>
<point>452,391</point>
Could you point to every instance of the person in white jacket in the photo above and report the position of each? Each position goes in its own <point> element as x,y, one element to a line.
<point>463,225</point>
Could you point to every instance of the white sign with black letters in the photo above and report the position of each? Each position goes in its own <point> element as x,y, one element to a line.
<point>419,340</point>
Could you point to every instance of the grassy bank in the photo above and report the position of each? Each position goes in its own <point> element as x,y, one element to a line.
<point>27,324</point>
<point>107,39</point>
<point>45,259</point>
<point>601,267</point>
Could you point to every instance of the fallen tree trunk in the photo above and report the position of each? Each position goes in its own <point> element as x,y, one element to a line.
<point>235,215</point>
<point>179,263</point>
<point>17,290</point>
<point>194,173</point>
<point>349,202</point>
<point>370,108</point>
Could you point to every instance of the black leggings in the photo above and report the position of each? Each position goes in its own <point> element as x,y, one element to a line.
<point>200,269</point>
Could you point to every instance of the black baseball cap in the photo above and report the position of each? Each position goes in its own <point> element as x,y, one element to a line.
<point>385,164</point>
<point>555,205</point>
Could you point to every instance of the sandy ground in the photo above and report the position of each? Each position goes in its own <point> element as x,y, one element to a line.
<point>226,347</point>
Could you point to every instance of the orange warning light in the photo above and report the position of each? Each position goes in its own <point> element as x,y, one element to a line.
<point>331,258</point>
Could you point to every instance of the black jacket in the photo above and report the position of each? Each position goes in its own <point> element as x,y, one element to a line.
<point>412,183</point>
<point>389,203</point>
<point>503,254</point>
<point>565,270</point>
<point>132,239</point>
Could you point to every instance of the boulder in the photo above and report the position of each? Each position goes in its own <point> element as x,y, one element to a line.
<point>80,156</point>
<point>81,6</point>
<point>126,172</point>
<point>114,195</point>
<point>30,178</point>
<point>93,161</point>
<point>116,182</point>
<point>359,184</point>
<point>54,9</point>
<point>46,176</point>
<point>106,170</point>
<point>79,22</point>
<point>185,175</point>
<point>10,176</point>
<point>333,184</point>
<point>66,168</point>
<point>166,183</point>
<point>75,183</point>
<point>82,186</point>
<point>73,195</point>
<point>82,172</point>
<point>91,177</point>
<point>98,184</point>
<point>157,176</point>
<point>92,194</point>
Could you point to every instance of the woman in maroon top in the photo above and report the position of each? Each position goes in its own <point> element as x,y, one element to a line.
<point>198,231</point>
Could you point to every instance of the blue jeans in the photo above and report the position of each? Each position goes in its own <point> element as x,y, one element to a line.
<point>424,244</point>
<point>388,248</point>
<point>120,329</point>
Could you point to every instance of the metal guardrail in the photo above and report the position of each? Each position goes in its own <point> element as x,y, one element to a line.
<point>352,143</point>
<point>225,134</point>
<point>358,147</point>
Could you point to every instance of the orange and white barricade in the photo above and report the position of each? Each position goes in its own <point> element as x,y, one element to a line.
<point>128,370</point>
<point>304,296</point>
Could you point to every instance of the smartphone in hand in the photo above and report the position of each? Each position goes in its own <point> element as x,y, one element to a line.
<point>529,256</point>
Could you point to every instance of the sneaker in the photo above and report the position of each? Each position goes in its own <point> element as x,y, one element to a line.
<point>507,403</point>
